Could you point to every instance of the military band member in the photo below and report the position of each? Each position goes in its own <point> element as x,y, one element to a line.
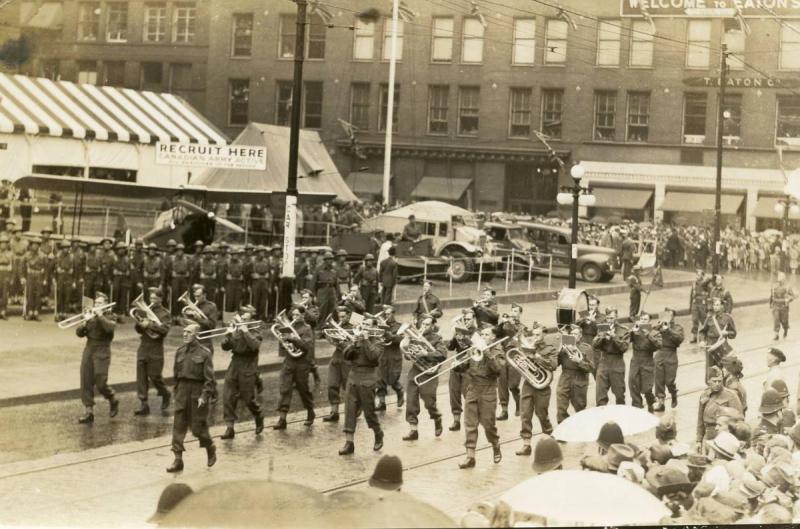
<point>353,300</point>
<point>391,363</point>
<point>459,379</point>
<point>635,284</point>
<point>234,281</point>
<point>323,283</point>
<point>698,301</point>
<point>34,280</point>
<point>363,353</point>
<point>294,374</point>
<point>509,380</point>
<point>717,289</point>
<point>240,379</point>
<point>718,325</point>
<point>588,323</point>
<point>779,300</point>
<point>485,308</point>
<point>150,355</point>
<point>645,341</point>
<point>121,285</point>
<point>610,347</point>
<point>339,367</point>
<point>96,359</point>
<point>427,304</point>
<point>311,317</point>
<point>427,390</point>
<point>180,273</point>
<point>194,385</point>
<point>715,397</point>
<point>344,276</point>
<point>65,270</point>
<point>666,360</point>
<point>544,353</point>
<point>6,274</point>
<point>152,271</point>
<point>481,398</point>
<point>573,384</point>
<point>367,280</point>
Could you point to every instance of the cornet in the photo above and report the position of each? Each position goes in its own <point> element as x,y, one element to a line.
<point>85,316</point>
<point>230,329</point>
<point>142,312</point>
<point>191,310</point>
<point>474,352</point>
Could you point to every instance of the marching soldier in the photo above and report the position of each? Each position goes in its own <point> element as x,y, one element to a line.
<point>323,283</point>
<point>485,309</point>
<point>635,284</point>
<point>426,390</point>
<point>353,300</point>
<point>610,345</point>
<point>240,379</point>
<point>509,377</point>
<point>544,353</point>
<point>459,379</point>
<point>344,275</point>
<point>195,260</point>
<point>588,323</point>
<point>6,274</point>
<point>364,355</point>
<point>573,384</point>
<point>34,280</point>
<point>207,272</point>
<point>717,329</point>
<point>666,359</point>
<point>234,281</point>
<point>339,367</point>
<point>390,366</point>
<point>179,270</point>
<point>137,268</point>
<point>194,385</point>
<point>96,359</point>
<point>259,280</point>
<point>311,318</point>
<point>107,261</point>
<point>481,397</point>
<point>645,341</point>
<point>150,355</point>
<point>717,290</point>
<point>367,280</point>
<point>152,270</point>
<point>296,368</point>
<point>65,271</point>
<point>122,281</point>
<point>779,300</point>
<point>427,304</point>
<point>207,317</point>
<point>715,397</point>
<point>698,298</point>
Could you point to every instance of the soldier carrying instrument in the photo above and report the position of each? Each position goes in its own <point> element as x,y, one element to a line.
<point>717,329</point>
<point>426,389</point>
<point>698,301</point>
<point>296,368</point>
<point>391,363</point>
<point>339,366</point>
<point>666,359</point>
<point>459,380</point>
<point>610,344</point>
<point>542,350</point>
<point>98,329</point>
<point>573,384</point>
<point>645,341</point>
<point>366,277</point>
<point>153,326</point>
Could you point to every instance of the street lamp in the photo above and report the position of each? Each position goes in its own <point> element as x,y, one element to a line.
<point>576,196</point>
<point>783,207</point>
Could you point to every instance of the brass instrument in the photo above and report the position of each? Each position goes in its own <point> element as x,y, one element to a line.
<point>282,322</point>
<point>230,329</point>
<point>570,346</point>
<point>474,352</point>
<point>191,310</point>
<point>536,375</point>
<point>85,316</point>
<point>415,347</point>
<point>337,335</point>
<point>142,312</point>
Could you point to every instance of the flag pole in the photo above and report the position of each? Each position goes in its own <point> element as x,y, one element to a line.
<point>387,150</point>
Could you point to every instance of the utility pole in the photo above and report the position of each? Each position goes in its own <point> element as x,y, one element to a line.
<point>387,147</point>
<point>723,71</point>
<point>290,216</point>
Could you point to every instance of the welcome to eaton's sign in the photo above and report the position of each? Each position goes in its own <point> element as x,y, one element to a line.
<point>711,8</point>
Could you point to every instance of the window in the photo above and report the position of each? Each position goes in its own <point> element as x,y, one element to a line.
<point>385,107</point>
<point>113,73</point>
<point>363,39</point>
<point>641,44</point>
<point>555,42</point>
<point>732,119</point>
<point>288,31</point>
<point>180,77</point>
<point>694,118</point>
<point>788,127</point>
<point>87,72</point>
<point>242,38</point>
<point>387,39</point>
<point>117,22</point>
<point>117,175</point>
<point>638,116</point>
<point>88,20</point>
<point>469,103</point>
<point>608,38</point>
<point>312,105</point>
<point>442,46</point>
<point>520,113</point>
<point>152,76</point>
<point>605,112</point>
<point>58,170</point>
<point>699,37</point>
<point>790,45</point>
<point>315,37</point>
<point>735,41</point>
<point>238,101</point>
<point>359,105</point>
<point>551,112</point>
<point>283,104</point>
<point>472,41</point>
<point>183,23</point>
<point>155,23</point>
<point>524,51</point>
<point>437,109</point>
<point>49,69</point>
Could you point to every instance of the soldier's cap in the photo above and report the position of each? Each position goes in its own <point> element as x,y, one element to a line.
<point>666,428</point>
<point>155,291</point>
<point>780,386</point>
<point>777,353</point>
<point>306,291</point>
<point>341,253</point>
<point>617,453</point>
<point>138,242</point>
<point>276,248</point>
<point>208,249</point>
<point>172,242</point>
<point>490,290</point>
<point>461,329</point>
<point>121,246</point>
<point>248,246</point>
<point>369,257</point>
<point>516,306</point>
<point>343,308</point>
<point>11,221</point>
<point>328,255</point>
<point>104,239</point>
<point>714,372</point>
<point>771,401</point>
<point>611,309</point>
<point>100,295</point>
<point>247,308</point>
<point>388,473</point>
<point>170,497</point>
<point>224,244</point>
<point>34,240</point>
<point>152,246</point>
<point>199,243</point>
<point>198,285</point>
<point>610,433</point>
<point>180,246</point>
<point>260,248</point>
<point>547,455</point>
<point>64,244</point>
<point>15,229</point>
<point>46,231</point>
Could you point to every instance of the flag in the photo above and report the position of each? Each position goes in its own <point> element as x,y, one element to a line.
<point>542,137</point>
<point>321,11</point>
<point>647,16</point>
<point>743,25</point>
<point>405,13</point>
<point>348,128</point>
<point>566,17</point>
<point>476,12</point>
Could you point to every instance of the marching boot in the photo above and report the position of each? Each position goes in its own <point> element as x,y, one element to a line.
<point>413,435</point>
<point>229,433</point>
<point>785,332</point>
<point>437,424</point>
<point>113,407</point>
<point>378,440</point>
<point>456,426</point>
<point>348,448</point>
<point>401,399</point>
<point>674,402</point>
<point>211,452</point>
<point>177,464</point>
<point>165,400</point>
<point>380,403</point>
<point>310,416</point>
<point>503,414</point>
<point>281,424</point>
<point>331,417</point>
<point>525,450</point>
<point>143,409</point>
<point>775,337</point>
<point>659,405</point>
<point>515,395</point>
<point>259,424</point>
<point>498,456</point>
<point>86,418</point>
<point>469,462</point>
<point>694,339</point>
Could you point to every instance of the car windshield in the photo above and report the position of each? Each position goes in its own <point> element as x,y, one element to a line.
<point>465,220</point>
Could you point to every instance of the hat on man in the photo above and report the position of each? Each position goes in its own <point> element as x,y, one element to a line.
<point>754,462</point>
<point>306,291</point>
<point>666,429</point>
<point>725,444</point>
<point>777,353</point>
<point>100,295</point>
<point>339,253</point>
<point>388,473</point>
<point>46,231</point>
<point>698,461</point>
<point>547,455</point>
<point>180,246</point>
<point>4,238</point>
<point>733,499</point>
<point>171,242</point>
<point>170,497</point>
<point>138,242</point>
<point>197,286</point>
<point>155,291</point>
<point>276,248</point>
<point>610,433</point>
<point>713,512</point>
<point>121,246</point>
<point>64,244</point>
<point>208,249</point>
<point>771,401</point>
<point>780,386</point>
<point>369,257</point>
<point>794,434</point>
<point>617,453</point>
<point>329,255</point>
<point>247,308</point>
<point>106,239</point>
<point>344,308</point>
<point>198,242</point>
<point>666,480</point>
<point>152,246</point>
<point>660,454</point>
<point>34,240</point>
<point>751,487</point>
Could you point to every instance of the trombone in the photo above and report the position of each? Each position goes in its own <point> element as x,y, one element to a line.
<point>474,352</point>
<point>85,316</point>
<point>230,329</point>
<point>191,310</point>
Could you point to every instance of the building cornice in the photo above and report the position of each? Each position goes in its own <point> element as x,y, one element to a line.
<point>457,153</point>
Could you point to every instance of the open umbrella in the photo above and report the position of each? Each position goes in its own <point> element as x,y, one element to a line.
<point>577,497</point>
<point>378,509</point>
<point>584,426</point>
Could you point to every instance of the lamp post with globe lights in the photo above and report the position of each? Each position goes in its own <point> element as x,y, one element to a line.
<point>575,195</point>
<point>783,207</point>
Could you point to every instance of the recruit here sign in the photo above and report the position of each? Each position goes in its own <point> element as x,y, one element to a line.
<point>222,156</point>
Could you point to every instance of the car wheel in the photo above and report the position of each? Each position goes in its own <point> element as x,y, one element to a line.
<point>462,267</point>
<point>591,273</point>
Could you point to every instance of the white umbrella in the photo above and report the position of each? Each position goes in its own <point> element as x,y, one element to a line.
<point>577,497</point>
<point>584,426</point>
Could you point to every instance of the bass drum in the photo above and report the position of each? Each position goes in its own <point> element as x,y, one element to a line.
<point>571,302</point>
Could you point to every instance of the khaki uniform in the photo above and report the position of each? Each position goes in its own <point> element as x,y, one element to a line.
<point>533,400</point>
<point>666,361</point>
<point>611,367</point>
<point>481,398</point>
<point>362,380</point>
<point>96,358</point>
<point>573,384</point>
<point>711,405</point>
<point>194,378</point>
<point>427,391</point>
<point>294,374</point>
<point>642,367</point>
<point>390,366</point>
<point>779,300</point>
<point>240,378</point>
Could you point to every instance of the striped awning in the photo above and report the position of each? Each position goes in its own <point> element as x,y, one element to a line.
<point>36,105</point>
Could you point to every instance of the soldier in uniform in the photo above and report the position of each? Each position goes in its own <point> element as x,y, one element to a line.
<point>80,256</point>
<point>427,304</point>
<point>247,259</point>
<point>645,341</point>
<point>388,273</point>
<point>324,286</point>
<point>6,274</point>
<point>122,281</point>
<point>311,318</point>
<point>93,270</point>
<point>137,269</point>
<point>19,247</point>
<point>698,298</point>
<point>240,379</point>
<point>344,276</point>
<point>65,281</point>
<point>573,384</point>
<point>195,260</point>
<point>207,272</point>
<point>209,314</point>
<point>391,361</point>
<point>294,374</point>
<point>544,353</point>
<point>353,300</point>
<point>509,378</point>
<point>194,385</point>
<point>732,378</point>
<point>485,309</point>
<point>779,300</point>
<point>666,359</point>
<point>427,390</point>
<point>48,249</point>
<point>96,359</point>
<point>367,280</point>
<point>339,367</point>
<point>107,261</point>
<point>717,325</point>
<point>179,270</point>
<point>234,281</point>
<point>717,290</point>
<point>459,379</point>
<point>223,261</point>
<point>152,270</point>
<point>166,270</point>
<point>588,323</point>
<point>715,397</point>
<point>770,420</point>
<point>274,282</point>
<point>635,284</point>
<point>481,399</point>
<point>34,280</point>
<point>610,346</point>
<point>301,270</point>
<point>150,355</point>
<point>259,281</point>
<point>363,353</point>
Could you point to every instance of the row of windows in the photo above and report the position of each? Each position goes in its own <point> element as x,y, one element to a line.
<point>466,115</point>
<point>152,75</point>
<point>157,24</point>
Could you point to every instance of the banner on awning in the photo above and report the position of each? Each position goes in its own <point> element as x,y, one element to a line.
<point>252,157</point>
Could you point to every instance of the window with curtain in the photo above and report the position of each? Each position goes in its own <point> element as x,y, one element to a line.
<point>363,40</point>
<point>469,106</point>
<point>555,42</point>
<point>699,43</point>
<point>609,34</point>
<point>641,55</point>
<point>638,116</point>
<point>605,115</point>
<point>520,113</point>
<point>472,41</point>
<point>524,50</point>
<point>442,45</point>
<point>437,109</point>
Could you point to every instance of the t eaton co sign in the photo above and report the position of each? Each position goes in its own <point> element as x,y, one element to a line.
<point>711,8</point>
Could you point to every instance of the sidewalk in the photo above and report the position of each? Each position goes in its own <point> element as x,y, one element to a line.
<point>42,363</point>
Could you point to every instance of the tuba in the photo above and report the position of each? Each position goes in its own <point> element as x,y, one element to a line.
<point>142,312</point>
<point>281,329</point>
<point>536,375</point>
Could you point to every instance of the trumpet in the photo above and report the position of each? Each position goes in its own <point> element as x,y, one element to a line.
<point>191,310</point>
<point>283,322</point>
<point>85,316</point>
<point>142,312</point>
<point>230,329</point>
<point>474,352</point>
<point>536,375</point>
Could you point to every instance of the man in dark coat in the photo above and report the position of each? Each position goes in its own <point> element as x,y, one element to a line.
<point>150,355</point>
<point>96,359</point>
